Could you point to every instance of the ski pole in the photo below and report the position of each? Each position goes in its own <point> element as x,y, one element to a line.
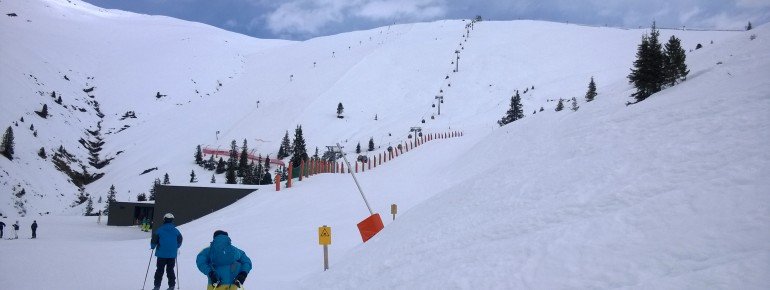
<point>178,284</point>
<point>148,269</point>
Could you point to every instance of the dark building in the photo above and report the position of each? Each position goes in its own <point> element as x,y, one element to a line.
<point>129,213</point>
<point>187,203</point>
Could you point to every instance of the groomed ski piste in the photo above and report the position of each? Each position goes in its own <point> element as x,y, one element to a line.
<point>669,193</point>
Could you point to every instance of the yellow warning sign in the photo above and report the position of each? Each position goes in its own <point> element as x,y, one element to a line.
<point>324,235</point>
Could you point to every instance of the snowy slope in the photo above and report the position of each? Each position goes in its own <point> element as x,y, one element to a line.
<point>393,72</point>
<point>672,193</point>
<point>668,193</point>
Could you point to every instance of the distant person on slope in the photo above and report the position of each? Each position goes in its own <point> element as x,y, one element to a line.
<point>16,230</point>
<point>224,264</point>
<point>34,229</point>
<point>2,225</point>
<point>168,240</point>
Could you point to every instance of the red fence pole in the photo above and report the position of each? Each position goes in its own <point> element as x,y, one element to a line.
<point>288,180</point>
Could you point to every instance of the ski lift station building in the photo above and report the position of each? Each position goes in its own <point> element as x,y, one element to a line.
<point>187,203</point>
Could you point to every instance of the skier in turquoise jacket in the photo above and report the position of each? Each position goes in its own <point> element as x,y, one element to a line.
<point>224,264</point>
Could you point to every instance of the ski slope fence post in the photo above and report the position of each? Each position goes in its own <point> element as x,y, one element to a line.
<point>278,182</point>
<point>301,169</point>
<point>288,180</point>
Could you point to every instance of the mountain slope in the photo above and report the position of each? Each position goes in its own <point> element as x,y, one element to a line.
<point>210,81</point>
<point>667,193</point>
<point>670,193</point>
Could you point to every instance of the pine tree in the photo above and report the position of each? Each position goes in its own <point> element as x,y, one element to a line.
<point>198,155</point>
<point>256,172</point>
<point>42,153</point>
<point>232,165</point>
<point>266,178</point>
<point>210,164</point>
<point>284,151</point>
<point>221,166</point>
<point>371,144</point>
<point>248,174</point>
<point>574,105</point>
<point>675,68</point>
<point>89,207</point>
<point>560,105</point>
<point>243,160</point>
<point>647,74</point>
<point>515,112</point>
<point>141,197</point>
<point>340,110</point>
<point>154,188</point>
<point>43,112</point>
<point>749,27</point>
<point>6,147</point>
<point>166,180</point>
<point>213,178</point>
<point>358,148</point>
<point>591,93</point>
<point>541,109</point>
<point>193,179</point>
<point>299,150</point>
<point>110,198</point>
<point>315,156</point>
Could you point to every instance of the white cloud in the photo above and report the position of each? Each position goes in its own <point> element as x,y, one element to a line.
<point>231,23</point>
<point>402,9</point>
<point>311,16</point>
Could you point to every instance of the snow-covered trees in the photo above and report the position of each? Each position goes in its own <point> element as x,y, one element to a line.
<point>656,68</point>
<point>166,179</point>
<point>232,165</point>
<point>89,207</point>
<point>560,105</point>
<point>646,75</point>
<point>749,27</point>
<point>243,160</point>
<point>300,151</point>
<point>221,166</point>
<point>340,110</point>
<point>154,189</point>
<point>515,112</point>
<point>198,155</point>
<point>42,153</point>
<point>6,147</point>
<point>285,149</point>
<point>371,144</point>
<point>591,93</point>
<point>574,105</point>
<point>110,198</point>
<point>358,148</point>
<point>141,197</point>
<point>43,113</point>
<point>674,67</point>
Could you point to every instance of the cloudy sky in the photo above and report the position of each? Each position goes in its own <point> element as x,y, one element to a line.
<point>303,19</point>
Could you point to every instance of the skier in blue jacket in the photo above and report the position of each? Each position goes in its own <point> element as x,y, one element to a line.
<point>224,264</point>
<point>167,239</point>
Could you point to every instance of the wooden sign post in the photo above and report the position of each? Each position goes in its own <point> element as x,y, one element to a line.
<point>393,210</point>
<point>325,239</point>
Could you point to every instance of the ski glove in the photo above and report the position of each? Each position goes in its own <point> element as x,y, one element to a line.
<point>213,277</point>
<point>240,278</point>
